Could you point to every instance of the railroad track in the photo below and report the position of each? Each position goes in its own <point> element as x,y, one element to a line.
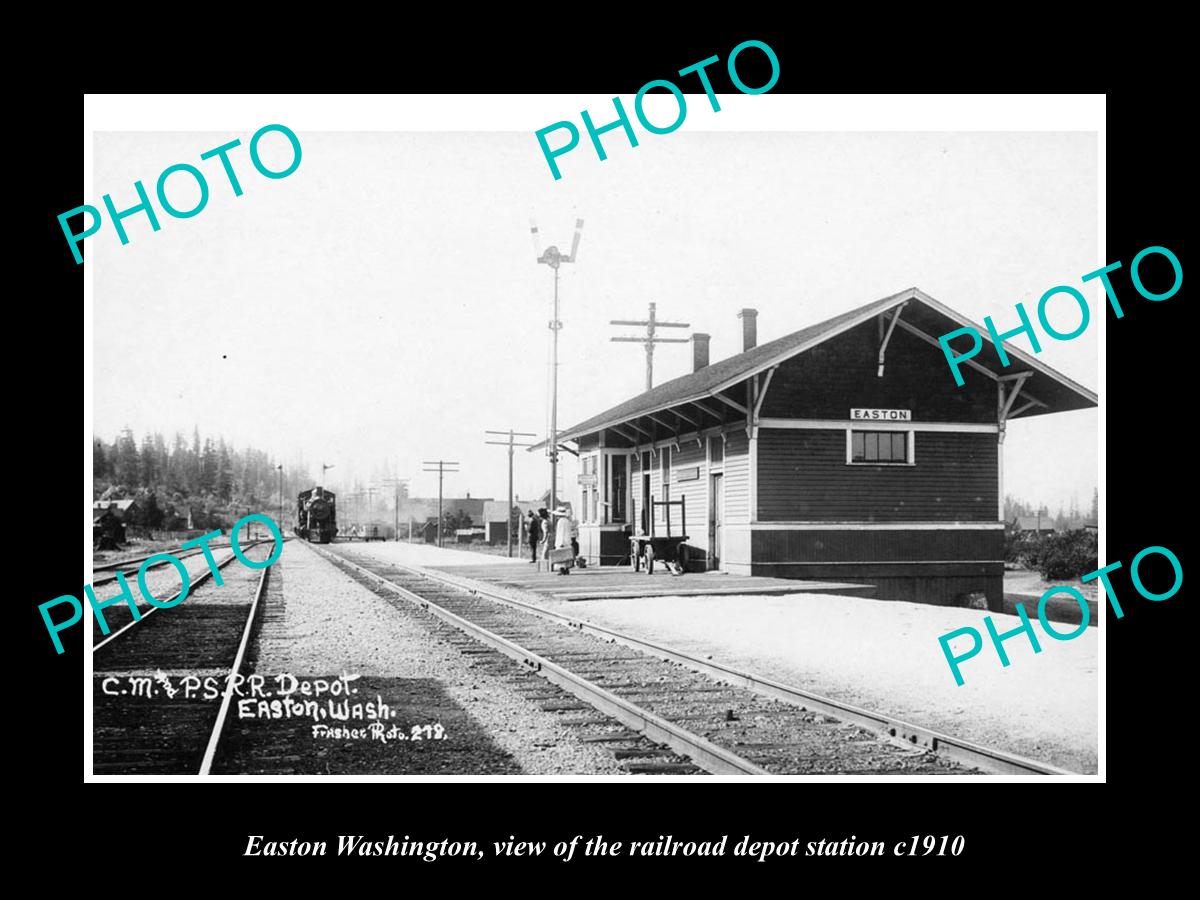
<point>131,566</point>
<point>726,721</point>
<point>963,752</point>
<point>143,721</point>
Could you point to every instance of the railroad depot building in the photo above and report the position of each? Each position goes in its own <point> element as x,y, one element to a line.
<point>842,451</point>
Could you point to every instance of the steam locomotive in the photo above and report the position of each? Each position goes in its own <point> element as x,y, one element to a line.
<point>316,515</point>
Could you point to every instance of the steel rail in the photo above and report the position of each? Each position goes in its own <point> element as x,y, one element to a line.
<point>174,551</point>
<point>214,739</point>
<point>704,753</point>
<point>113,567</point>
<point>968,753</point>
<point>203,577</point>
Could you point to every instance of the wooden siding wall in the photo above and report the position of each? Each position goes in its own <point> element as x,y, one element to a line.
<point>803,476</point>
<point>737,478</point>
<point>689,456</point>
<point>959,545</point>
<point>829,379</point>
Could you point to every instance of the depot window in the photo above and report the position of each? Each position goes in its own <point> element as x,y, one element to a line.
<point>875,448</point>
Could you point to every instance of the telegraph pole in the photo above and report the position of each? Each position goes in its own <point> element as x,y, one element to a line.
<point>510,444</point>
<point>553,257</point>
<point>280,469</point>
<point>441,469</point>
<point>357,497</point>
<point>396,483</point>
<point>651,325</point>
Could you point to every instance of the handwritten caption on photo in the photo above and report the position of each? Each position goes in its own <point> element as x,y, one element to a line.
<point>284,696</point>
<point>125,595</point>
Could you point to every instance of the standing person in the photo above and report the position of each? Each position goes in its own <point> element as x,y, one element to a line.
<point>574,535</point>
<point>534,535</point>
<point>562,534</point>
<point>547,537</point>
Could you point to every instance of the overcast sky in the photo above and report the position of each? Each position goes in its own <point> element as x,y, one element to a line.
<point>382,306</point>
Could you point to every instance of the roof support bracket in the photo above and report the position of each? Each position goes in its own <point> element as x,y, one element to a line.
<point>632,438</point>
<point>717,395</point>
<point>883,345</point>
<point>1007,402</point>
<point>712,412</point>
<point>1028,404</point>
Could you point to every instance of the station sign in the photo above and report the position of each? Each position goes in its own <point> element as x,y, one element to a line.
<point>881,415</point>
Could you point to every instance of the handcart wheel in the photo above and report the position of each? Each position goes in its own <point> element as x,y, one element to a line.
<point>649,559</point>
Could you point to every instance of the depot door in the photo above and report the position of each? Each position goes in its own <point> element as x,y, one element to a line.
<point>716,520</point>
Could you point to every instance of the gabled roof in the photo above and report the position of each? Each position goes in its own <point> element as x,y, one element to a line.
<point>1057,391</point>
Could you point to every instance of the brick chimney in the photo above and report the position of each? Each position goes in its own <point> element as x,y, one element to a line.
<point>749,319</point>
<point>699,351</point>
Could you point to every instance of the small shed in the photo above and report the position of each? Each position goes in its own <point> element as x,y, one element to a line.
<point>1033,524</point>
<point>107,530</point>
<point>495,522</point>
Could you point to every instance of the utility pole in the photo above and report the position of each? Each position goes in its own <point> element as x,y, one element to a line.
<point>510,444</point>
<point>396,483</point>
<point>441,469</point>
<point>554,258</point>
<point>280,469</point>
<point>651,325</point>
<point>356,496</point>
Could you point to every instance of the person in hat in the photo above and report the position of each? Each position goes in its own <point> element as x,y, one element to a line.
<point>562,532</point>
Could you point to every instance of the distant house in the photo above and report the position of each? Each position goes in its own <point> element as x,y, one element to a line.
<point>107,529</point>
<point>495,518</point>
<point>1033,524</point>
<point>123,509</point>
<point>418,509</point>
<point>1091,526</point>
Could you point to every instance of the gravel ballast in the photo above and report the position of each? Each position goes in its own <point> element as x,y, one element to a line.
<point>325,623</point>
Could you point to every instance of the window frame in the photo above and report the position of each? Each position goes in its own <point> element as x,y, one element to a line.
<point>910,447</point>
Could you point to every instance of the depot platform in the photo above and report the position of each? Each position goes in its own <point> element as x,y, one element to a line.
<point>880,655</point>
<point>621,582</point>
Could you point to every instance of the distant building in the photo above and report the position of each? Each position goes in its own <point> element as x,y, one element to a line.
<point>1033,524</point>
<point>495,519</point>
<point>428,532</point>
<point>123,509</point>
<point>107,530</point>
<point>419,509</point>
